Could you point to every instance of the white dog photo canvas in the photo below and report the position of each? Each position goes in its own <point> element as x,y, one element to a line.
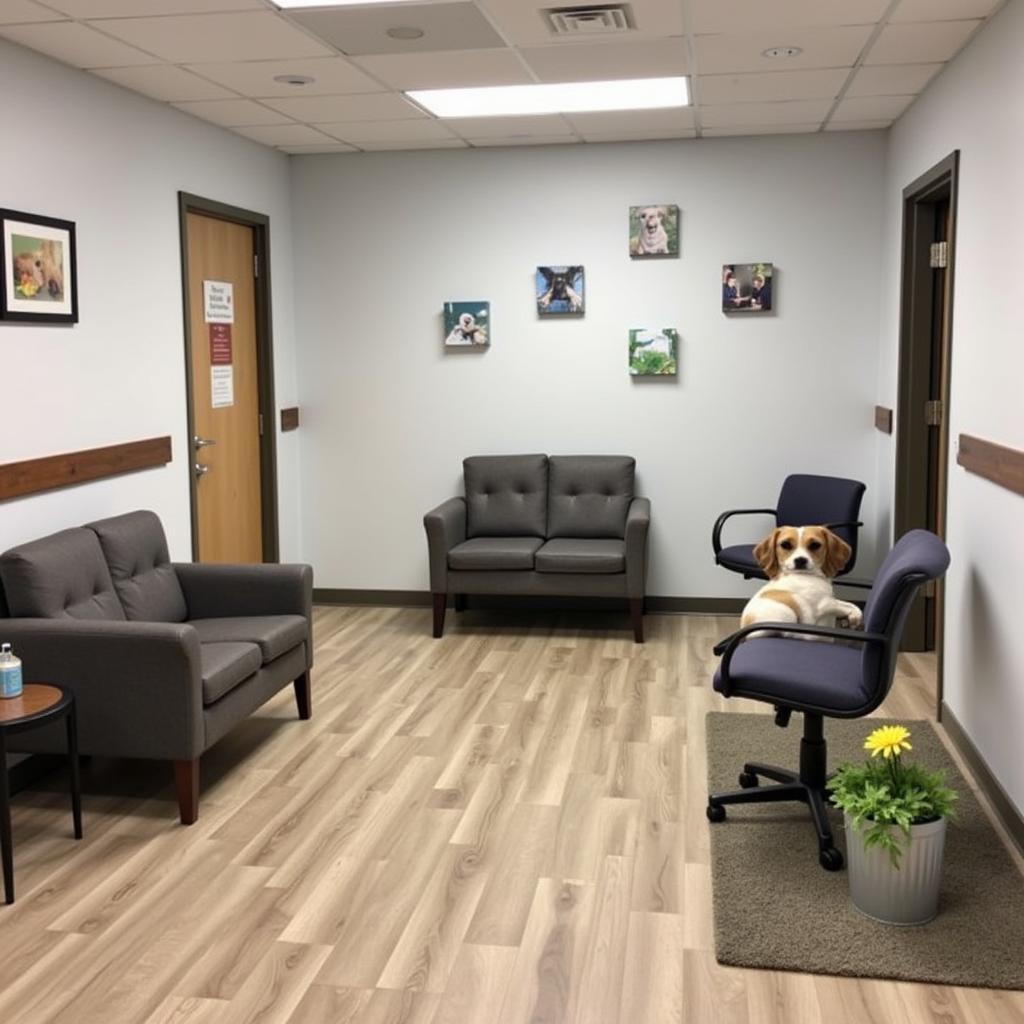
<point>653,231</point>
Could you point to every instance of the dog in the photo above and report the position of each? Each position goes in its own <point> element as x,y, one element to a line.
<point>41,270</point>
<point>653,239</point>
<point>558,287</point>
<point>800,562</point>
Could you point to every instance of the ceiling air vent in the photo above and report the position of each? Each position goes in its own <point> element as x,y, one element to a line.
<point>591,20</point>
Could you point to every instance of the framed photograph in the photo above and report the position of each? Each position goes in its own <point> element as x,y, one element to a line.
<point>747,288</point>
<point>653,231</point>
<point>467,324</point>
<point>653,353</point>
<point>37,264</point>
<point>560,291</point>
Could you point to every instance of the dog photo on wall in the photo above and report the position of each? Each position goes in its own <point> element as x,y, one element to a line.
<point>467,324</point>
<point>560,291</point>
<point>37,265</point>
<point>747,288</point>
<point>653,231</point>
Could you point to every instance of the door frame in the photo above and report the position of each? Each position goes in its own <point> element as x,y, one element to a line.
<point>260,224</point>
<point>938,183</point>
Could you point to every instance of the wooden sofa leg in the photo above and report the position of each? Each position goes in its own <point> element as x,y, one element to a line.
<point>440,602</point>
<point>460,602</point>
<point>636,613</point>
<point>304,696</point>
<point>186,777</point>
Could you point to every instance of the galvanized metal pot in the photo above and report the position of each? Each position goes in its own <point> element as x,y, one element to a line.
<point>907,895</point>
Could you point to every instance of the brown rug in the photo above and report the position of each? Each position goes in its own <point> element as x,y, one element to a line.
<point>776,908</point>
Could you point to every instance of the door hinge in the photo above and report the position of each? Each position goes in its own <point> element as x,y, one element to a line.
<point>933,413</point>
<point>261,424</point>
<point>256,264</point>
<point>939,255</point>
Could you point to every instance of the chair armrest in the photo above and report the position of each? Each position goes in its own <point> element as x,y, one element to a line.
<point>446,527</point>
<point>214,591</point>
<point>138,685</point>
<point>716,532</point>
<point>638,522</point>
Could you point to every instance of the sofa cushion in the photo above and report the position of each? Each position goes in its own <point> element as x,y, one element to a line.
<point>135,548</point>
<point>589,495</point>
<point>483,553</point>
<point>506,495</point>
<point>583,554</point>
<point>224,666</point>
<point>60,576</point>
<point>274,635</point>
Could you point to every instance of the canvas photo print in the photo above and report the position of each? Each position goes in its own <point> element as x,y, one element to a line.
<point>653,353</point>
<point>37,259</point>
<point>467,324</point>
<point>560,291</point>
<point>653,231</point>
<point>746,288</point>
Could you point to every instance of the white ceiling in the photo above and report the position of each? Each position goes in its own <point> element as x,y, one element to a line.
<point>862,63</point>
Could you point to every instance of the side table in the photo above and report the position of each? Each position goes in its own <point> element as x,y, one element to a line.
<point>38,704</point>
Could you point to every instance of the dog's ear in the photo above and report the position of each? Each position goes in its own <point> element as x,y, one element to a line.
<point>766,556</point>
<point>663,212</point>
<point>837,554</point>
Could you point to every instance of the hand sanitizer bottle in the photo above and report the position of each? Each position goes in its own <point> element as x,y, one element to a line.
<point>10,673</point>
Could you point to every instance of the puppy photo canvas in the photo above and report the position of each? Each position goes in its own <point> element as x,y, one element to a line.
<point>560,291</point>
<point>653,231</point>
<point>467,324</point>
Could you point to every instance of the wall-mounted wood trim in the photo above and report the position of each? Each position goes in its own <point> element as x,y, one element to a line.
<point>883,419</point>
<point>19,479</point>
<point>1001,465</point>
<point>290,419</point>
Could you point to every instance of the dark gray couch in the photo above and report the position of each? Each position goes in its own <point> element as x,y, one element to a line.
<point>163,658</point>
<point>564,525</point>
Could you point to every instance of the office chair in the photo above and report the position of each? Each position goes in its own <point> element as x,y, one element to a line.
<point>834,680</point>
<point>805,500</point>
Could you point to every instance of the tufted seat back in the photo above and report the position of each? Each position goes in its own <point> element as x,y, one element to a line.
<point>135,548</point>
<point>589,495</point>
<point>506,495</point>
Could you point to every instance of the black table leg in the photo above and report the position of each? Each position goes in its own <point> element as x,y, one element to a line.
<point>5,824</point>
<point>76,780</point>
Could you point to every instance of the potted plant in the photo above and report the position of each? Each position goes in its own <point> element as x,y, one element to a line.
<point>895,815</point>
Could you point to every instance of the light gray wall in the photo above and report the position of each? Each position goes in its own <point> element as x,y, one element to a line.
<point>111,161</point>
<point>975,106</point>
<point>385,239</point>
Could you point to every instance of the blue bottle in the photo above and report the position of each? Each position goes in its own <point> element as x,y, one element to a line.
<point>10,673</point>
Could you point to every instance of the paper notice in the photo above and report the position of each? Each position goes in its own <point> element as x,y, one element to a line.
<point>219,302</point>
<point>222,386</point>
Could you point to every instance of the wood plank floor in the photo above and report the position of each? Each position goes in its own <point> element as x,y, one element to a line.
<point>501,827</point>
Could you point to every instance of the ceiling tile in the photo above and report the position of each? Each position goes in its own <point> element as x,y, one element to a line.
<point>164,82</point>
<point>856,126</point>
<point>148,8</point>
<point>773,85</point>
<point>360,132</point>
<point>327,147</point>
<point>943,10</point>
<point>191,38</point>
<point>375,106</point>
<point>523,23</point>
<point>918,43</point>
<point>14,12</point>
<point>360,30</point>
<point>651,136</point>
<point>255,78</point>
<point>742,51</point>
<point>892,79</point>
<point>383,144</point>
<point>872,108</point>
<point>714,16</point>
<point>524,140</point>
<point>77,45</point>
<point>233,113</point>
<point>753,114</point>
<point>652,59</point>
<point>614,122</point>
<point>443,71</point>
<point>760,129</point>
<point>285,135</point>
<point>508,127</point>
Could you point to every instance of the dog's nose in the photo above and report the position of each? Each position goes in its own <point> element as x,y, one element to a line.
<point>800,563</point>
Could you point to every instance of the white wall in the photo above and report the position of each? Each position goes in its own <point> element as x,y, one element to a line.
<point>111,161</point>
<point>975,106</point>
<point>388,416</point>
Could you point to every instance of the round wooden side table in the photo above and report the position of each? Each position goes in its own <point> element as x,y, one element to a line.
<point>38,704</point>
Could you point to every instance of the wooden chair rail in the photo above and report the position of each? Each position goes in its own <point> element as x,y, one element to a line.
<point>883,419</point>
<point>1001,465</point>
<point>290,418</point>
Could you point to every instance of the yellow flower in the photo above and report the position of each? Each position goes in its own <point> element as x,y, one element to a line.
<point>889,741</point>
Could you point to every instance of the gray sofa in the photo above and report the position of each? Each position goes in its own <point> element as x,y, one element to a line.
<point>564,525</point>
<point>163,658</point>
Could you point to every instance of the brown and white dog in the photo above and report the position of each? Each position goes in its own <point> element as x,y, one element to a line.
<point>800,562</point>
<point>653,238</point>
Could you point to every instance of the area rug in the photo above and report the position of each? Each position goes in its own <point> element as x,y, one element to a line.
<point>776,908</point>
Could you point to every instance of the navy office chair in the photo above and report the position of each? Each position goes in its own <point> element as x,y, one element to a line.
<point>805,500</point>
<point>822,680</point>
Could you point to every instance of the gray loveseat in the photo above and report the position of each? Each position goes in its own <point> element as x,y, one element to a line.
<point>163,658</point>
<point>564,525</point>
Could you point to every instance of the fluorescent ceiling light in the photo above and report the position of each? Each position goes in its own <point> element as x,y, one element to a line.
<point>561,98</point>
<point>288,4</point>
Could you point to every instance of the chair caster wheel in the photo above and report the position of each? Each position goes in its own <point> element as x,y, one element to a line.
<point>748,780</point>
<point>715,812</point>
<point>831,859</point>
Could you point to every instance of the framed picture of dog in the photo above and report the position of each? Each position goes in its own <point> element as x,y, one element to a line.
<point>653,353</point>
<point>653,231</point>
<point>747,288</point>
<point>37,269</point>
<point>560,291</point>
<point>467,324</point>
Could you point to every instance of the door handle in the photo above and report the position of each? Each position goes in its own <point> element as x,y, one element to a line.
<point>202,442</point>
<point>200,470</point>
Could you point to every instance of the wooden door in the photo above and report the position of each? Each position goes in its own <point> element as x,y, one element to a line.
<point>224,374</point>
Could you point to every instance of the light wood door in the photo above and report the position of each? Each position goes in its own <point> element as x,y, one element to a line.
<point>228,493</point>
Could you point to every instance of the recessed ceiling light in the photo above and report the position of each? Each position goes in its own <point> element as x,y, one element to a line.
<point>294,79</point>
<point>561,98</point>
<point>781,52</point>
<point>405,32</point>
<point>290,4</point>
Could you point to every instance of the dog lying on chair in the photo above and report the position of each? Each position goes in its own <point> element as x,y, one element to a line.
<point>800,562</point>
